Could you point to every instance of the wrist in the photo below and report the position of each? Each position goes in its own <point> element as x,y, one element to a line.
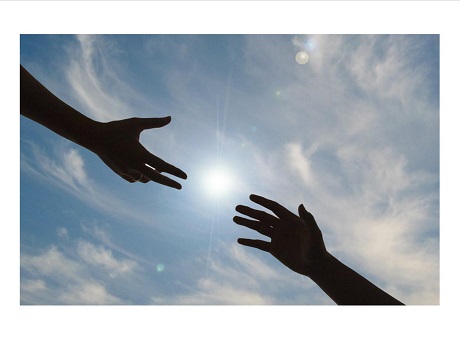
<point>87,133</point>
<point>320,266</point>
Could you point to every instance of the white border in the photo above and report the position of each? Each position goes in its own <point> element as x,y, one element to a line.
<point>240,325</point>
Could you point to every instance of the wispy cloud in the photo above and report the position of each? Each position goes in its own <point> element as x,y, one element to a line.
<point>94,76</point>
<point>103,258</point>
<point>79,272</point>
<point>55,278</point>
<point>64,168</point>
<point>299,162</point>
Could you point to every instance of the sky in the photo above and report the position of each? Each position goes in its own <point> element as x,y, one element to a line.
<point>352,133</point>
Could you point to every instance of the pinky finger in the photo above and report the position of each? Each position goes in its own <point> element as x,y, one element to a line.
<point>258,244</point>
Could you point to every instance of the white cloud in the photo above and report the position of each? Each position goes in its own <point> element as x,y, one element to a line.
<point>299,162</point>
<point>89,74</point>
<point>104,258</point>
<point>209,291</point>
<point>65,169</point>
<point>52,263</point>
<point>33,286</point>
<point>87,293</point>
<point>68,275</point>
<point>74,165</point>
<point>96,78</point>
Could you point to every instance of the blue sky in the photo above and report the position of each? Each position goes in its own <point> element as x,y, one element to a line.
<point>353,134</point>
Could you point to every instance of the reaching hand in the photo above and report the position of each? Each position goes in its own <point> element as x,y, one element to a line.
<point>296,241</point>
<point>117,144</point>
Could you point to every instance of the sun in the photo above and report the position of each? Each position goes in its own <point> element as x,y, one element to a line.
<point>218,181</point>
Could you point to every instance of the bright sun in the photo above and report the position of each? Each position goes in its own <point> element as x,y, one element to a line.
<point>218,181</point>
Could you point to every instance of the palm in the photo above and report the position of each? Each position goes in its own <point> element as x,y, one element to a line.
<point>288,245</point>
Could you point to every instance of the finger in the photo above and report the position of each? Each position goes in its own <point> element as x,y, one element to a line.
<point>257,214</point>
<point>128,178</point>
<point>152,122</point>
<point>259,244</point>
<point>307,217</point>
<point>161,165</point>
<point>273,206</point>
<point>159,178</point>
<point>144,179</point>
<point>254,225</point>
<point>131,179</point>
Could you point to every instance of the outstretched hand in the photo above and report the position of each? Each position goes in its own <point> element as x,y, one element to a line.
<point>117,144</point>
<point>296,241</point>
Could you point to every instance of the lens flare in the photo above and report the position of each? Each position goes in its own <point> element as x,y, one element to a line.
<point>302,58</point>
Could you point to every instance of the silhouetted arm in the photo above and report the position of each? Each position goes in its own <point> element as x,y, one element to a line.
<point>346,287</point>
<point>116,142</point>
<point>297,242</point>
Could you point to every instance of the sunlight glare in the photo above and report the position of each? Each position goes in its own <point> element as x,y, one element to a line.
<point>218,181</point>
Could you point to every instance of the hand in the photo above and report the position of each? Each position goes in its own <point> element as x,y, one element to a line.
<point>117,144</point>
<point>296,241</point>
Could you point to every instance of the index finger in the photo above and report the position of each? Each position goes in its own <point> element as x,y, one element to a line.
<point>273,206</point>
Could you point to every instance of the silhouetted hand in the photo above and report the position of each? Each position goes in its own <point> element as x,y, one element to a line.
<point>117,144</point>
<point>296,241</point>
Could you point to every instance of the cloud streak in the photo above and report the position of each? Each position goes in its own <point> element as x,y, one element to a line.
<point>65,169</point>
<point>96,78</point>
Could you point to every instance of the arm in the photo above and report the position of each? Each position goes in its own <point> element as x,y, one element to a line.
<point>116,143</point>
<point>297,242</point>
<point>346,287</point>
<point>43,107</point>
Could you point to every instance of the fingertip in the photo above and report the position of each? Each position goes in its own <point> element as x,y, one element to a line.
<point>238,220</point>
<point>177,186</point>
<point>253,197</point>
<point>166,120</point>
<point>303,211</point>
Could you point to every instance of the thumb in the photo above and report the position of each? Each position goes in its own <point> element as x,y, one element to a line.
<point>153,122</point>
<point>306,216</point>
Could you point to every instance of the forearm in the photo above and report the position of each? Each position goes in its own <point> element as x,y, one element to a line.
<point>40,105</point>
<point>346,287</point>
